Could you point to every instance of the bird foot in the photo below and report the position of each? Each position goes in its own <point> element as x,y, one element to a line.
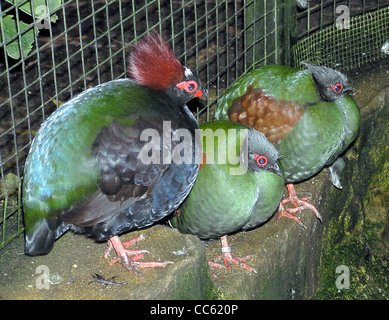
<point>129,258</point>
<point>299,205</point>
<point>285,212</point>
<point>228,259</point>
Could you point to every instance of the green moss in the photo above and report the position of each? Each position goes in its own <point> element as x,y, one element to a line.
<point>367,265</point>
<point>358,235</point>
<point>184,288</point>
<point>362,247</point>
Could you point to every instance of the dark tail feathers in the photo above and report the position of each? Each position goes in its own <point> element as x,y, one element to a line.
<point>41,240</point>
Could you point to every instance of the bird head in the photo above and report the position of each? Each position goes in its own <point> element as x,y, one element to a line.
<point>262,155</point>
<point>152,64</point>
<point>188,88</point>
<point>331,84</point>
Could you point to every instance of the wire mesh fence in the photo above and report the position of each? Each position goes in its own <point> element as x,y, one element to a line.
<point>343,34</point>
<point>320,14</point>
<point>51,50</point>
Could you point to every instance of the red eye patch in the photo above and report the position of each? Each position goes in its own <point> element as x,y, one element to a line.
<point>261,160</point>
<point>337,88</point>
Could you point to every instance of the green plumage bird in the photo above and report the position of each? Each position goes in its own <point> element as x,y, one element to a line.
<point>98,166</point>
<point>239,185</point>
<point>308,114</point>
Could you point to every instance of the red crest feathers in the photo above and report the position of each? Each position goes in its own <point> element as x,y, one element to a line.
<point>152,63</point>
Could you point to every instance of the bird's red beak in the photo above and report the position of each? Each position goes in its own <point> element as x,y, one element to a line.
<point>200,93</point>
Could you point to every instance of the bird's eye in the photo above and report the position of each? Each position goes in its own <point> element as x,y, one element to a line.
<point>261,160</point>
<point>189,86</point>
<point>337,88</point>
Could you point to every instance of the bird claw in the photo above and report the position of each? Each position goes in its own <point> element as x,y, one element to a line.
<point>127,244</point>
<point>129,258</point>
<point>287,213</point>
<point>299,205</point>
<point>228,259</point>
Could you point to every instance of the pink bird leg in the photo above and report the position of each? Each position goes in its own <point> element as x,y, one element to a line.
<point>227,258</point>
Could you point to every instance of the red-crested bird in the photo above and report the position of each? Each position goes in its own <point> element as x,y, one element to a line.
<point>99,165</point>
